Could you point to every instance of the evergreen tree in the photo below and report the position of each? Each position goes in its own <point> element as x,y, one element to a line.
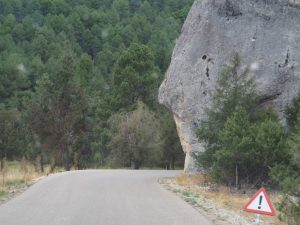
<point>292,112</point>
<point>57,111</point>
<point>243,140</point>
<point>14,135</point>
<point>287,176</point>
<point>233,89</point>
<point>133,76</point>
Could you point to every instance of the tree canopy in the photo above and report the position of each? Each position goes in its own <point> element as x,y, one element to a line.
<point>67,66</point>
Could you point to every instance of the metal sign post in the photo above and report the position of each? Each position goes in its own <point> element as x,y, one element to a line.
<point>257,220</point>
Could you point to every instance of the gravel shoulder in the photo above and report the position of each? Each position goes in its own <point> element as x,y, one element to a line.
<point>218,213</point>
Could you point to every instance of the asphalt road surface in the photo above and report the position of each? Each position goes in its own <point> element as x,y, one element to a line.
<point>100,197</point>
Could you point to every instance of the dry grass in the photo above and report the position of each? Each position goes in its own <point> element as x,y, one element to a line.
<point>224,196</point>
<point>16,174</point>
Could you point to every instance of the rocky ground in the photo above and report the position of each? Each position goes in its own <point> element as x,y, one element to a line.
<point>220,211</point>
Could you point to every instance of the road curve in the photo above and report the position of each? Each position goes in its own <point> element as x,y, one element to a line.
<point>100,197</point>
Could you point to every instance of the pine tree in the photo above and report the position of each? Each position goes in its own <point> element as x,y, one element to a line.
<point>57,111</point>
<point>243,141</point>
<point>133,76</point>
<point>234,88</point>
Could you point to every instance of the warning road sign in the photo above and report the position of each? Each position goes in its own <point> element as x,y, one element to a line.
<point>260,203</point>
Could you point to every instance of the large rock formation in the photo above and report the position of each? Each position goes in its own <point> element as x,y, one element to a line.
<point>266,34</point>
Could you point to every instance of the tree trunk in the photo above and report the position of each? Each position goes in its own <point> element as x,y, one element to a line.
<point>42,164</point>
<point>2,164</point>
<point>3,177</point>
<point>3,170</point>
<point>135,165</point>
<point>172,163</point>
<point>167,164</point>
<point>236,176</point>
<point>132,165</point>
<point>67,164</point>
<point>37,165</point>
<point>67,167</point>
<point>53,165</point>
<point>66,158</point>
<point>76,161</point>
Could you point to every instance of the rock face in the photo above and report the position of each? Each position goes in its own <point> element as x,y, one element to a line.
<point>265,33</point>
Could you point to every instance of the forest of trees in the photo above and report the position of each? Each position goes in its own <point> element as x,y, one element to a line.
<point>79,80</point>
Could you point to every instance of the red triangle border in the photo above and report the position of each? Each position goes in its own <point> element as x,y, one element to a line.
<point>272,213</point>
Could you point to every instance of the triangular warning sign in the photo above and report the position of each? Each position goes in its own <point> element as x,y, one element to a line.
<point>260,203</point>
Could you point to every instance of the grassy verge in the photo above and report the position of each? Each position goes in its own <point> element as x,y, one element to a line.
<point>3,194</point>
<point>221,204</point>
<point>17,176</point>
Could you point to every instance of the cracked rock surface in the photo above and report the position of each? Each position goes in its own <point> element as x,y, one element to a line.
<point>265,33</point>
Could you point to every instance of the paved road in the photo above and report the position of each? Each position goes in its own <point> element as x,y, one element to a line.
<point>100,197</point>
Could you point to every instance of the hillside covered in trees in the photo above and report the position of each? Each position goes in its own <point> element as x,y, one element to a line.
<point>79,81</point>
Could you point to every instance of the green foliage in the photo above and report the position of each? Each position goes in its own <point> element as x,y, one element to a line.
<point>121,50</point>
<point>243,140</point>
<point>13,77</point>
<point>289,180</point>
<point>57,110</point>
<point>133,75</point>
<point>233,89</point>
<point>294,141</point>
<point>235,145</point>
<point>288,176</point>
<point>14,136</point>
<point>135,138</point>
<point>292,112</point>
<point>172,153</point>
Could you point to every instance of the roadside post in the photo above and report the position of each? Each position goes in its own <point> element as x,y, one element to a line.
<point>260,204</point>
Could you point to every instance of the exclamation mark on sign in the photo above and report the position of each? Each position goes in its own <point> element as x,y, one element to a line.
<point>260,200</point>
